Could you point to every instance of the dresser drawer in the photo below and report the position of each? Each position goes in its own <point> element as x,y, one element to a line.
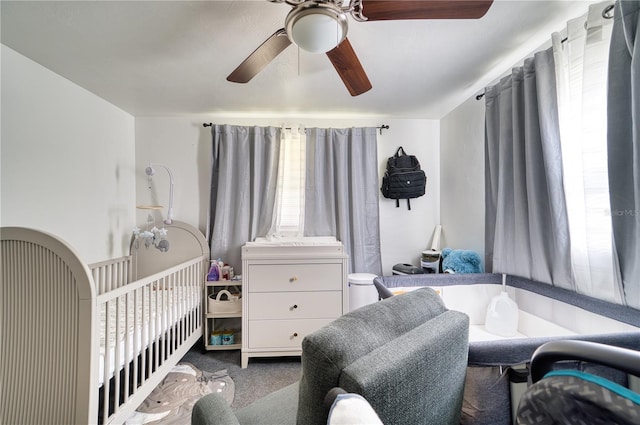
<point>295,305</point>
<point>295,277</point>
<point>282,333</point>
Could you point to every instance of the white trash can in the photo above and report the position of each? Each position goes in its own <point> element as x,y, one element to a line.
<point>361,290</point>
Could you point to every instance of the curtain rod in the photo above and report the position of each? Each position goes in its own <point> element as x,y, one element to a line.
<point>607,13</point>
<point>380,127</point>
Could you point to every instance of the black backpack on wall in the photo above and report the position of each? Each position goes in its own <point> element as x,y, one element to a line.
<point>403,178</point>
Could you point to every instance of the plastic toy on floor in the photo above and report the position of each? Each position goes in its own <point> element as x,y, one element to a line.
<point>460,261</point>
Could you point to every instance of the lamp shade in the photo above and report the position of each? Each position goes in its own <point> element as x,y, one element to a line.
<point>316,27</point>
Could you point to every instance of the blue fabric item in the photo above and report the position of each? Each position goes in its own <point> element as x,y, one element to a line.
<point>611,386</point>
<point>461,261</point>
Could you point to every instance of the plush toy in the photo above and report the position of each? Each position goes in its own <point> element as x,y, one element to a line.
<point>460,261</point>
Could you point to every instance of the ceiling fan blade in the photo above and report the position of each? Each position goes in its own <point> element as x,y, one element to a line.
<point>384,10</point>
<point>345,61</point>
<point>260,57</point>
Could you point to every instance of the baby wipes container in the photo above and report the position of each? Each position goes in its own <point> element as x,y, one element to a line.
<point>502,315</point>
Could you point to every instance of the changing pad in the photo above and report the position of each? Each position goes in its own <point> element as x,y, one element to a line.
<point>294,241</point>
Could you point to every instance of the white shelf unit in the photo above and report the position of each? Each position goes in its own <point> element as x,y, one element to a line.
<point>289,292</point>
<point>221,321</point>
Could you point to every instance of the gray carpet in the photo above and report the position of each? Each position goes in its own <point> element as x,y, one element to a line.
<point>262,377</point>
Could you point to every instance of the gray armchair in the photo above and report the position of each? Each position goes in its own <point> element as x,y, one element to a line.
<point>407,355</point>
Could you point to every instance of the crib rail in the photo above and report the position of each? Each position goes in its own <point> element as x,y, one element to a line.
<point>144,324</point>
<point>111,274</point>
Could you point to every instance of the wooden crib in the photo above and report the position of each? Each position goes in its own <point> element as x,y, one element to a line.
<point>85,343</point>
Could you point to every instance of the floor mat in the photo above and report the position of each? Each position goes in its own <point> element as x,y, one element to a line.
<point>171,402</point>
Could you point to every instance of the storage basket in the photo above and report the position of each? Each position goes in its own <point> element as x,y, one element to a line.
<point>232,304</point>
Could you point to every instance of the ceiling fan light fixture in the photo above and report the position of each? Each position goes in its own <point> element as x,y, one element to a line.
<point>316,27</point>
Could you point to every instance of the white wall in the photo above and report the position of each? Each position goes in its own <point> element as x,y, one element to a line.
<point>462,177</point>
<point>67,160</point>
<point>184,145</point>
<point>72,163</point>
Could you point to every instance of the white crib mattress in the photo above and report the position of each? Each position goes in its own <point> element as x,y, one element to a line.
<point>134,336</point>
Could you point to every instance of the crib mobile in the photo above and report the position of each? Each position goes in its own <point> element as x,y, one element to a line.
<point>154,236</point>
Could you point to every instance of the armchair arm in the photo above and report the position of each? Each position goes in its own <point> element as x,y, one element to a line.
<point>212,409</point>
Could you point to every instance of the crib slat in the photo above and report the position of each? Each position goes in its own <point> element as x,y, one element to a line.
<point>155,332</point>
<point>106,362</point>
<point>117,342</point>
<point>178,303</point>
<point>136,334</point>
<point>161,314</point>
<point>127,345</point>
<point>144,331</point>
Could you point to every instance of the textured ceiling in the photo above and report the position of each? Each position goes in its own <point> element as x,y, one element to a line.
<point>167,58</point>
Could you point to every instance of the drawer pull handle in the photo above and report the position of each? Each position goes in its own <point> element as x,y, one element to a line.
<point>293,307</point>
<point>293,279</point>
<point>295,334</point>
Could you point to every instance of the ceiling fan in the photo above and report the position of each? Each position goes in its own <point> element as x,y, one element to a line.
<point>320,26</point>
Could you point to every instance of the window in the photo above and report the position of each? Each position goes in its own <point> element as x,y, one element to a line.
<point>289,205</point>
<point>581,76</point>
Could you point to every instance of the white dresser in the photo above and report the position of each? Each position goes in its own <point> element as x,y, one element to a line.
<point>290,291</point>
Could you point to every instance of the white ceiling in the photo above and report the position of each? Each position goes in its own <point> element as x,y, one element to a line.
<point>168,58</point>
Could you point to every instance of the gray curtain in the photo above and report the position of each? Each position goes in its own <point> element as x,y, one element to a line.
<point>526,223</point>
<point>341,195</point>
<point>243,186</point>
<point>624,144</point>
